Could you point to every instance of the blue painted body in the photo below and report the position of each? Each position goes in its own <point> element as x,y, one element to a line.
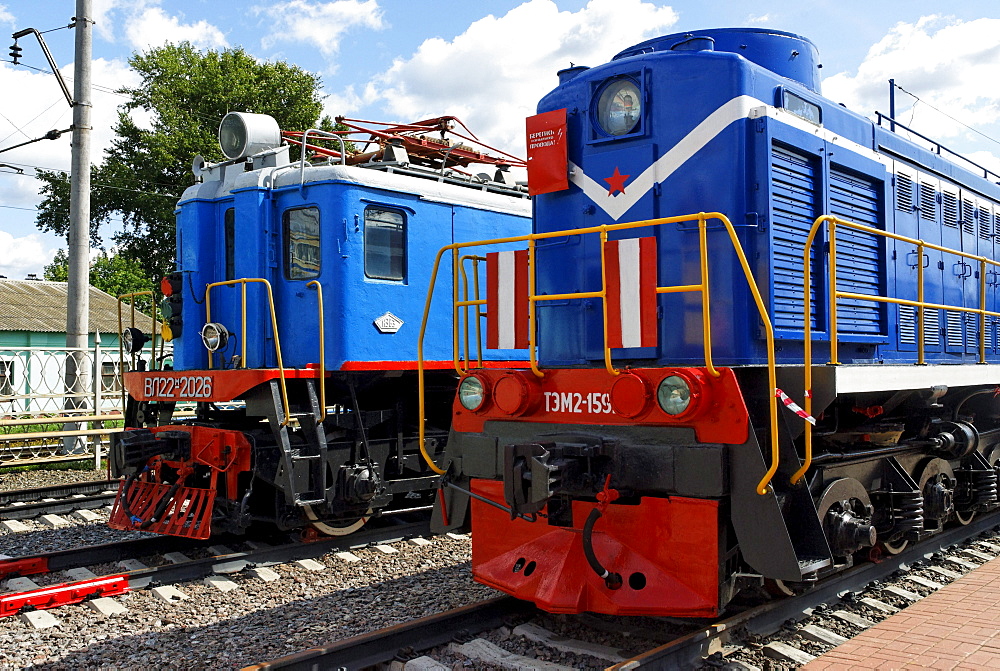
<point>436,214</point>
<point>715,122</point>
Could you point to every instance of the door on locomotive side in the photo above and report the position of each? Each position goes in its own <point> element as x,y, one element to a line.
<point>915,215</point>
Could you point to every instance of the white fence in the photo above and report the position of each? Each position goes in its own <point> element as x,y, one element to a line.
<point>41,388</point>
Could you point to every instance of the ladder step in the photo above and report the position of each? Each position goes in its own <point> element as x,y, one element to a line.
<point>306,457</point>
<point>309,502</point>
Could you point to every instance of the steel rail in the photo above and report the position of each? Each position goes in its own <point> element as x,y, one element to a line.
<point>53,491</point>
<point>764,620</point>
<point>124,581</point>
<point>382,646</point>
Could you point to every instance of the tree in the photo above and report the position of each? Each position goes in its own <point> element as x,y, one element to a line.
<point>115,275</point>
<point>185,93</point>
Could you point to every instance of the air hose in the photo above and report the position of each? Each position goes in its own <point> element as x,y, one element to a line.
<point>612,580</point>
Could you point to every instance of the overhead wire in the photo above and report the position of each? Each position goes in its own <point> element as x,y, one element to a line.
<point>943,113</point>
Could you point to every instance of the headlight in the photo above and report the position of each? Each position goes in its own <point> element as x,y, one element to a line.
<point>471,393</point>
<point>214,336</point>
<point>245,134</point>
<point>674,395</point>
<point>133,339</point>
<point>619,107</point>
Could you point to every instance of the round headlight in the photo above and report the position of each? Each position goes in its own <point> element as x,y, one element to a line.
<point>214,336</point>
<point>674,395</point>
<point>245,134</point>
<point>133,339</point>
<point>471,393</point>
<point>619,108</point>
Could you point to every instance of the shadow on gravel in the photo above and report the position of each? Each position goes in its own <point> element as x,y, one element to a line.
<point>274,631</point>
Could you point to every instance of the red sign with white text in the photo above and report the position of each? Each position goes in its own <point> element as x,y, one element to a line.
<point>547,161</point>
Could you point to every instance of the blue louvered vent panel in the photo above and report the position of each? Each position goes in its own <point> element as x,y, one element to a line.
<point>928,201</point>
<point>859,255</point>
<point>950,209</point>
<point>904,192</point>
<point>793,186</point>
<point>953,329</point>
<point>968,216</point>
<point>908,326</point>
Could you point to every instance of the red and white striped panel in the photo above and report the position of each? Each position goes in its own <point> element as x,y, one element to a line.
<point>507,300</point>
<point>631,295</point>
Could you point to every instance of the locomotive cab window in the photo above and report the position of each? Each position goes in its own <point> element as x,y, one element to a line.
<point>300,228</point>
<point>385,243</point>
<point>801,107</point>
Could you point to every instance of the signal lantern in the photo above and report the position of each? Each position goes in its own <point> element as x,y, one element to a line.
<point>171,286</point>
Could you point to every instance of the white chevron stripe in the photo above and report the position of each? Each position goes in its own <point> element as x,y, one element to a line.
<point>616,206</point>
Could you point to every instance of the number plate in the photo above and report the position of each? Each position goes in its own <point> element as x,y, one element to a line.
<point>158,388</point>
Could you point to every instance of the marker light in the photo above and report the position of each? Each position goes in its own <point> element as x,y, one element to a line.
<point>133,339</point>
<point>215,336</point>
<point>471,393</point>
<point>245,134</point>
<point>674,395</point>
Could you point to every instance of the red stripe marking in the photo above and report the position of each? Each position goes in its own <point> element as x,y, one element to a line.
<point>613,294</point>
<point>64,594</point>
<point>29,566</point>
<point>492,300</point>
<point>428,365</point>
<point>521,299</point>
<point>647,291</point>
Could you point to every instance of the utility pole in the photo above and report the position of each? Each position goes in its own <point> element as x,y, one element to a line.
<point>78,284</point>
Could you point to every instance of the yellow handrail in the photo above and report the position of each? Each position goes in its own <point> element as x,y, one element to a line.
<point>322,349</point>
<point>243,330</point>
<point>533,299</point>
<point>920,304</point>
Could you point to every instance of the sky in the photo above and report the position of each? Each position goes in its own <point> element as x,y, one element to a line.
<point>484,61</point>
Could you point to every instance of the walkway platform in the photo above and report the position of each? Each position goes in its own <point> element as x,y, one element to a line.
<point>956,627</point>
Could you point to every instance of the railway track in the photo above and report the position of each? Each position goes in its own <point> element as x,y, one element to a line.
<point>171,565</point>
<point>55,499</point>
<point>789,630</point>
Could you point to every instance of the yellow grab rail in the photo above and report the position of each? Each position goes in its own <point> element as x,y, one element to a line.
<point>322,350</point>
<point>533,299</point>
<point>243,329</point>
<point>920,304</point>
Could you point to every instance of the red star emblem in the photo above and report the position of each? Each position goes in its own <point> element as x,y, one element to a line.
<point>616,182</point>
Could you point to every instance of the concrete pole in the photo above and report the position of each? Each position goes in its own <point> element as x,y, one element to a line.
<point>78,284</point>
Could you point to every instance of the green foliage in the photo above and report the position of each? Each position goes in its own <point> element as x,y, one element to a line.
<point>184,93</point>
<point>115,275</point>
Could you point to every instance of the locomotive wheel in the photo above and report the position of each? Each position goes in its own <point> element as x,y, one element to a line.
<point>780,588</point>
<point>845,511</point>
<point>895,547</point>
<point>965,518</point>
<point>332,530</point>
<point>937,486</point>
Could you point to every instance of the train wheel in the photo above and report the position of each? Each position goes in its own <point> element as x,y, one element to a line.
<point>780,588</point>
<point>966,517</point>
<point>895,547</point>
<point>333,530</point>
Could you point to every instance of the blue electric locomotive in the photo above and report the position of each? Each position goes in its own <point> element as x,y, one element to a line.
<point>803,370</point>
<point>294,316</point>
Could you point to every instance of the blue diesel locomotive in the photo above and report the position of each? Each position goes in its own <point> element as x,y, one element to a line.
<point>803,372</point>
<point>294,316</point>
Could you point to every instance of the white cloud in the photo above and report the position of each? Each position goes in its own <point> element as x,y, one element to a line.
<point>759,19</point>
<point>319,23</point>
<point>149,26</point>
<point>492,75</point>
<point>23,255</point>
<point>5,16</point>
<point>949,64</point>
